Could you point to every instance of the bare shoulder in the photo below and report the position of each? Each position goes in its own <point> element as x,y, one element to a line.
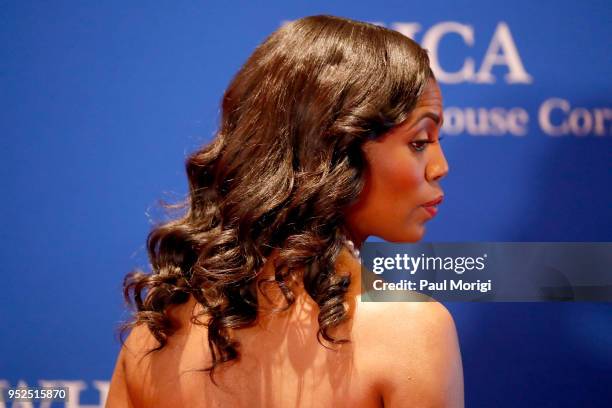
<point>137,344</point>
<point>120,393</point>
<point>417,352</point>
<point>141,366</point>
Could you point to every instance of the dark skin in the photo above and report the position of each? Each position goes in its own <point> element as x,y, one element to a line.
<point>401,354</point>
<point>403,174</point>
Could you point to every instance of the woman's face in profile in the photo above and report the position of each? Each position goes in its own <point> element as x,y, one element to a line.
<point>405,166</point>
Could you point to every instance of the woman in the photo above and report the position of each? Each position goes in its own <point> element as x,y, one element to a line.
<point>329,134</point>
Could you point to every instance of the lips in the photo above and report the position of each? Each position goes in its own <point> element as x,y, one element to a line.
<point>434,202</point>
<point>430,206</point>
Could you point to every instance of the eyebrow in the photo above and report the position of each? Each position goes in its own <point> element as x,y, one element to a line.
<point>431,115</point>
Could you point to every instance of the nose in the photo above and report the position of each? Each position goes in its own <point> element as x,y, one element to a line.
<point>437,166</point>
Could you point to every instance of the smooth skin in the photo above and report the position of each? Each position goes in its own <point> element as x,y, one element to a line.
<point>400,354</point>
<point>404,173</point>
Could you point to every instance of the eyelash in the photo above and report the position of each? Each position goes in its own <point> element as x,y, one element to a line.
<point>424,142</point>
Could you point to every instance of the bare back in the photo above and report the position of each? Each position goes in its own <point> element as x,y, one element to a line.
<point>283,365</point>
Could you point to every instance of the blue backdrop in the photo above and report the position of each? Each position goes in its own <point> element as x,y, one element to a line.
<point>101,102</point>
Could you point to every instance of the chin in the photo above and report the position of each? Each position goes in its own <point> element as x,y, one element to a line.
<point>407,235</point>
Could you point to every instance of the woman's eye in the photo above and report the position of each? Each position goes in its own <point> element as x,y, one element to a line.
<point>420,145</point>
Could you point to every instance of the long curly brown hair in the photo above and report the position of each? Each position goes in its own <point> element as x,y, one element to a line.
<point>284,166</point>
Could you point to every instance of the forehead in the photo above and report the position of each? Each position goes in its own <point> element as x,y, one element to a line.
<point>429,105</point>
<point>431,94</point>
<point>430,99</point>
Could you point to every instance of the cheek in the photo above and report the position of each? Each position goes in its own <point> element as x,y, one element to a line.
<point>398,178</point>
<point>391,195</point>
